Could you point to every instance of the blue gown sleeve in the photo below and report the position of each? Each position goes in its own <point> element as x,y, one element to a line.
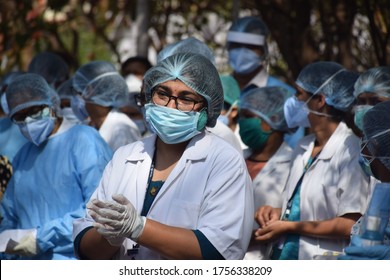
<point>90,161</point>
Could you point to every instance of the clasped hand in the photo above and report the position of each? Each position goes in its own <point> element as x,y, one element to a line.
<point>116,220</point>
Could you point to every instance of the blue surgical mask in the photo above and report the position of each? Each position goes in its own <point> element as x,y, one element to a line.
<point>78,106</point>
<point>172,125</point>
<point>4,104</point>
<point>68,113</point>
<point>296,113</point>
<point>223,119</point>
<point>39,129</point>
<point>244,60</point>
<point>360,111</point>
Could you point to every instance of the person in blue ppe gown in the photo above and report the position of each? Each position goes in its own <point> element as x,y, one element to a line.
<point>327,190</point>
<point>376,155</point>
<point>248,56</point>
<point>198,202</point>
<point>55,173</point>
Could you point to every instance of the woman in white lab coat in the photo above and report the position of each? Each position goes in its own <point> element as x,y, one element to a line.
<point>327,190</point>
<point>99,93</point>
<point>262,129</point>
<point>182,193</point>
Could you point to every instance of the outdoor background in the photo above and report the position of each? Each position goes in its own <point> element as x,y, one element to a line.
<point>353,33</point>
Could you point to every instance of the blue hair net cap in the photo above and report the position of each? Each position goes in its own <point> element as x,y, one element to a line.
<point>100,83</point>
<point>231,89</point>
<point>375,80</point>
<point>50,66</point>
<point>330,79</point>
<point>376,130</point>
<point>65,90</point>
<point>267,103</point>
<point>339,90</point>
<point>196,72</point>
<point>31,90</point>
<point>189,45</point>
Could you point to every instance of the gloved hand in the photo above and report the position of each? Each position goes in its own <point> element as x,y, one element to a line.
<point>117,219</point>
<point>358,252</point>
<point>27,246</point>
<point>377,252</point>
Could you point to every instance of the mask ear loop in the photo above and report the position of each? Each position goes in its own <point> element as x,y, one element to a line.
<point>231,107</point>
<point>202,120</point>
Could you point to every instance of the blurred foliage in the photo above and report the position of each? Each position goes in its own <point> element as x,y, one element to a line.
<point>353,33</point>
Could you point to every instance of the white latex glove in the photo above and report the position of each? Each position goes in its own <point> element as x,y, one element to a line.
<point>27,246</point>
<point>116,219</point>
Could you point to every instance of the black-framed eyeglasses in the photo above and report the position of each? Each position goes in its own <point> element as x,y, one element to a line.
<point>183,103</point>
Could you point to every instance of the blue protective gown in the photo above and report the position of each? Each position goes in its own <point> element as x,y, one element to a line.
<point>11,139</point>
<point>51,185</point>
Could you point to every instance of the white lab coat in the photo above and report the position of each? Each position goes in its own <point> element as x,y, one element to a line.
<point>222,130</point>
<point>334,185</point>
<point>209,189</point>
<point>119,130</point>
<point>268,187</point>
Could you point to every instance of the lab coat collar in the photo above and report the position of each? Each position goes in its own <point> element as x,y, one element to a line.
<point>198,147</point>
<point>334,141</point>
<point>283,154</point>
<point>141,148</point>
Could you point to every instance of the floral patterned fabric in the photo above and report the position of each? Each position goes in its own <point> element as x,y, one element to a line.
<point>5,174</point>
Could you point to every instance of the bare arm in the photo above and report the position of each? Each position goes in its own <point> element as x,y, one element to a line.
<point>336,228</point>
<point>95,247</point>
<point>171,242</point>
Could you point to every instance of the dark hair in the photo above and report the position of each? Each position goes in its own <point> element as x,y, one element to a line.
<point>139,59</point>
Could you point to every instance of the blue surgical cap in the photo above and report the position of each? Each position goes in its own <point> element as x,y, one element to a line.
<point>249,30</point>
<point>332,80</point>
<point>375,80</point>
<point>189,45</point>
<point>231,89</point>
<point>100,83</point>
<point>196,72</point>
<point>65,90</point>
<point>51,67</point>
<point>267,103</point>
<point>31,90</point>
<point>376,130</point>
<point>5,81</point>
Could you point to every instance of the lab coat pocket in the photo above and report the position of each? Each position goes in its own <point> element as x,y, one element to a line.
<point>183,214</point>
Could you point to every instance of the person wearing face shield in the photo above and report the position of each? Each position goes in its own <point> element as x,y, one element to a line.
<point>262,129</point>
<point>376,154</point>
<point>198,202</point>
<point>371,88</point>
<point>248,57</point>
<point>327,190</point>
<point>99,93</point>
<point>54,174</point>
